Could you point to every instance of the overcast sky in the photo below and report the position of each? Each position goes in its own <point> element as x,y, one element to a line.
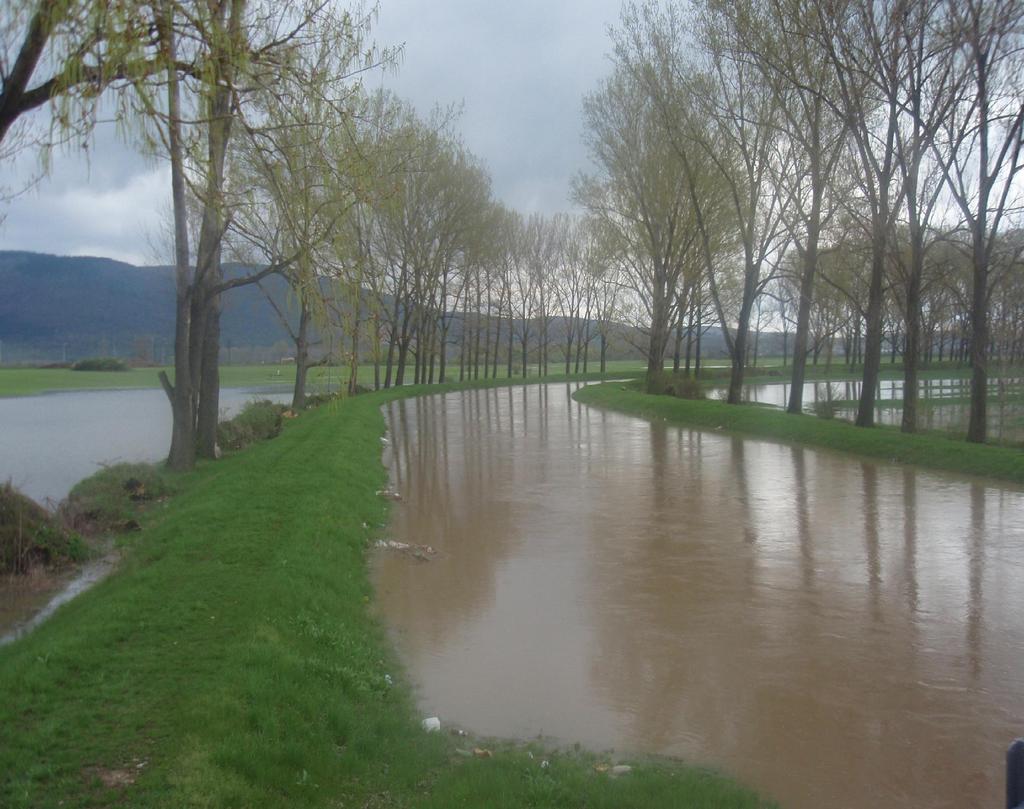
<point>520,70</point>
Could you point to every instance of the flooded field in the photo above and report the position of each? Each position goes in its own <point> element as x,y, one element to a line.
<point>830,631</point>
<point>50,442</point>
<point>943,403</point>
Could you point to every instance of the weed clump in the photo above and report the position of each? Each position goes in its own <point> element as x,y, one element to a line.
<point>30,536</point>
<point>100,364</point>
<point>109,500</point>
<point>257,422</point>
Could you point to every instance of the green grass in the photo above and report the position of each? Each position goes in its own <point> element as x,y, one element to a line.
<point>107,500</point>
<point>886,443</point>
<point>232,661</point>
<point>31,381</point>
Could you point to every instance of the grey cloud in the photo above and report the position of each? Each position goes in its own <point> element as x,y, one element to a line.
<point>519,68</point>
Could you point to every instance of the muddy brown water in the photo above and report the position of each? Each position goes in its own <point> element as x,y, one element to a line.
<point>831,632</point>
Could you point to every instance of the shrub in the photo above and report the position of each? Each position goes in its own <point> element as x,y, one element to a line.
<point>257,421</point>
<point>684,387</point>
<point>109,500</point>
<point>31,536</point>
<point>100,364</point>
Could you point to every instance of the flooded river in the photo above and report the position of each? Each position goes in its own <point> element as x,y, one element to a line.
<point>830,631</point>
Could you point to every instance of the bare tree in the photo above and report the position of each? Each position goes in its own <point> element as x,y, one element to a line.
<point>643,200</point>
<point>981,157</point>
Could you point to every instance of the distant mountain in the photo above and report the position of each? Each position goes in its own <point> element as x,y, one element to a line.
<point>58,307</point>
<point>62,308</point>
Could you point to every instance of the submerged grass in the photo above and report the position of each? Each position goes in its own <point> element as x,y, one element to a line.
<point>232,661</point>
<point>886,443</point>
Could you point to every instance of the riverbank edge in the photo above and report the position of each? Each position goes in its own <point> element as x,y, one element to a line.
<point>233,660</point>
<point>927,451</point>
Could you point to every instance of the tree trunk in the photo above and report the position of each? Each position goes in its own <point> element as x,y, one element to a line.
<point>739,351</point>
<point>696,350</point>
<point>511,349</point>
<point>182,454</point>
<point>301,358</point>
<point>658,341</point>
<point>209,391</point>
<point>403,356</point>
<point>912,349</point>
<point>803,325</point>
<point>873,338</point>
<point>977,426</point>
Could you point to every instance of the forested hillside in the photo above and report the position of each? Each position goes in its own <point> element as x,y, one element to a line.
<point>81,304</point>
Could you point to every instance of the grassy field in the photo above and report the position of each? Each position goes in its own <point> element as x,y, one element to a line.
<point>30,381</point>
<point>885,443</point>
<point>233,662</point>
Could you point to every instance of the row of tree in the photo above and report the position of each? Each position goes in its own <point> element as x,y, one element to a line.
<point>859,151</point>
<point>841,167</point>
<point>281,163</point>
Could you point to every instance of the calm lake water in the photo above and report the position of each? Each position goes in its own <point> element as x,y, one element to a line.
<point>50,442</point>
<point>830,631</point>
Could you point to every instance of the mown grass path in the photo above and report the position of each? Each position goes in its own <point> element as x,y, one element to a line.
<point>233,661</point>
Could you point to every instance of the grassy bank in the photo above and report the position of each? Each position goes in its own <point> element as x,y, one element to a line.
<point>884,443</point>
<point>233,662</point>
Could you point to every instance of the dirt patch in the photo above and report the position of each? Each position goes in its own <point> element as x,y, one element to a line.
<point>116,778</point>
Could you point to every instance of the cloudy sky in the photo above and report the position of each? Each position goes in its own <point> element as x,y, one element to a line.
<point>519,69</point>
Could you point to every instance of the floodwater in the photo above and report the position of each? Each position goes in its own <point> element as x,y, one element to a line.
<point>50,442</point>
<point>830,631</point>
<point>26,604</point>
<point>944,404</point>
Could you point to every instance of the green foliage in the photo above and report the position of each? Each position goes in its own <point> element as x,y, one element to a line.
<point>234,657</point>
<point>31,536</point>
<point>100,364</point>
<point>258,421</point>
<point>110,499</point>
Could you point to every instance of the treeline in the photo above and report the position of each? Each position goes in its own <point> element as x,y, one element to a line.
<point>381,221</point>
<point>842,170</point>
<point>847,170</point>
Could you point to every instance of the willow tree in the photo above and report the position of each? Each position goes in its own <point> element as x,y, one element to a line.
<point>426,232</point>
<point>863,41</point>
<point>67,53</point>
<point>743,143</point>
<point>778,36</point>
<point>299,174</point>
<point>240,51</point>
<point>641,195</point>
<point>722,121</point>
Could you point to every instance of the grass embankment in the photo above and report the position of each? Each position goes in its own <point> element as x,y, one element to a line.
<point>232,661</point>
<point>886,443</point>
